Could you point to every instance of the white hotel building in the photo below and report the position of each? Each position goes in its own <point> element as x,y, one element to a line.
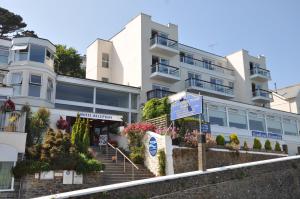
<point>143,61</point>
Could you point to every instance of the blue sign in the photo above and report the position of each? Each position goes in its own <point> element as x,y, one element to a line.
<point>267,135</point>
<point>205,128</point>
<point>152,146</point>
<point>185,107</point>
<point>259,134</point>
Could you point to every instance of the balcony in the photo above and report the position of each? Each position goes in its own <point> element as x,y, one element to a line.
<point>206,66</point>
<point>260,74</point>
<point>12,130</point>
<point>158,93</point>
<point>262,96</point>
<point>163,72</point>
<point>209,87</point>
<point>163,45</point>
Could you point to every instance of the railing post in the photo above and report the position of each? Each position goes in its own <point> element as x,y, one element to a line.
<point>124,165</point>
<point>116,156</point>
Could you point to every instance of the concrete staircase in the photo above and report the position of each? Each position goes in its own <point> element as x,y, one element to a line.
<point>114,172</point>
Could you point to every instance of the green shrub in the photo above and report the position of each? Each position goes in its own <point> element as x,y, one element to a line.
<point>86,165</point>
<point>233,138</point>
<point>245,146</point>
<point>277,146</point>
<point>161,162</point>
<point>256,144</point>
<point>137,158</point>
<point>220,140</point>
<point>268,145</point>
<point>155,108</point>
<point>29,167</point>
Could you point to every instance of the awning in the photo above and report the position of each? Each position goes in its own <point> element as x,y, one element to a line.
<point>23,47</point>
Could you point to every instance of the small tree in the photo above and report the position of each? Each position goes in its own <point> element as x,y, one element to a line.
<point>268,145</point>
<point>38,124</point>
<point>277,146</point>
<point>233,138</point>
<point>155,108</point>
<point>86,136</point>
<point>256,144</point>
<point>220,140</point>
<point>161,162</point>
<point>10,22</point>
<point>245,146</point>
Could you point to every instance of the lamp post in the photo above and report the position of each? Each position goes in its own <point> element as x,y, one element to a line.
<point>201,148</point>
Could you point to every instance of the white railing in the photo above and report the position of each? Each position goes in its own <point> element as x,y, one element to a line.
<point>12,122</point>
<point>166,69</point>
<point>124,159</point>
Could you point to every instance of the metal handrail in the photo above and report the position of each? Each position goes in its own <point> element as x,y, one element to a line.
<point>125,158</point>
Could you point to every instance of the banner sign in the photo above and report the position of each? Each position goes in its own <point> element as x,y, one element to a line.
<point>205,127</point>
<point>266,135</point>
<point>100,116</point>
<point>187,106</point>
<point>152,146</point>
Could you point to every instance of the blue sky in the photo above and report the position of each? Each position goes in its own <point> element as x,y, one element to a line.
<point>268,27</point>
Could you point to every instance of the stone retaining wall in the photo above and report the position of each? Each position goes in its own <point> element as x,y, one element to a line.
<point>186,159</point>
<point>278,179</point>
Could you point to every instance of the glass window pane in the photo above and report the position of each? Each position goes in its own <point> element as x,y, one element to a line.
<point>290,127</point>
<point>257,122</point>
<point>49,89</point>
<point>65,91</point>
<point>112,98</point>
<point>217,115</point>
<point>37,53</point>
<point>4,52</point>
<point>134,117</point>
<point>5,175</point>
<point>134,101</point>
<point>16,78</point>
<point>73,108</point>
<point>237,118</point>
<point>34,90</point>
<point>35,79</point>
<point>274,124</point>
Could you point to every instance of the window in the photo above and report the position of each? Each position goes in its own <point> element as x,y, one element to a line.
<point>5,175</point>
<point>231,84</point>
<point>290,127</point>
<point>217,115</point>
<point>207,64</point>
<point>257,122</point>
<point>49,89</point>
<point>217,84</point>
<point>73,108</point>
<point>186,58</point>
<point>274,124</point>
<point>104,79</point>
<point>134,101</point>
<point>35,85</point>
<point>134,117</point>
<point>16,82</point>
<point>49,55</point>
<point>159,87</point>
<point>2,76</point>
<point>105,60</point>
<point>4,53</point>
<point>37,53</point>
<point>237,118</point>
<point>112,98</point>
<point>77,93</point>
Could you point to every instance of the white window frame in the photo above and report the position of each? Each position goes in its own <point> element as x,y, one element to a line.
<point>105,61</point>
<point>35,84</point>
<point>17,84</point>
<point>50,89</point>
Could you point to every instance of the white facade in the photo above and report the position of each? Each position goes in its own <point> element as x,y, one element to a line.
<point>148,55</point>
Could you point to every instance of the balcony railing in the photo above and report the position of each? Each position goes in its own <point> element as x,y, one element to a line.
<point>205,65</point>
<point>12,122</point>
<point>192,82</point>
<point>165,69</point>
<point>158,93</point>
<point>260,71</point>
<point>156,39</point>
<point>263,93</point>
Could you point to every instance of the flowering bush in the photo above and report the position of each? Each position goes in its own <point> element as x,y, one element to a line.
<point>190,138</point>
<point>139,127</point>
<point>172,132</point>
<point>8,106</point>
<point>62,124</point>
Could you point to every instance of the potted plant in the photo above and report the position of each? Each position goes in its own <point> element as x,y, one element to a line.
<point>8,106</point>
<point>62,124</point>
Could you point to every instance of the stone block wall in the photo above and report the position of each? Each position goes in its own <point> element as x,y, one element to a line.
<point>278,179</point>
<point>186,159</point>
<point>32,187</point>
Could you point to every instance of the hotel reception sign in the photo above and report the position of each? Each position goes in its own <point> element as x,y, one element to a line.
<point>99,116</point>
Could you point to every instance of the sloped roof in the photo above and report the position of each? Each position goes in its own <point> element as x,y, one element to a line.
<point>290,91</point>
